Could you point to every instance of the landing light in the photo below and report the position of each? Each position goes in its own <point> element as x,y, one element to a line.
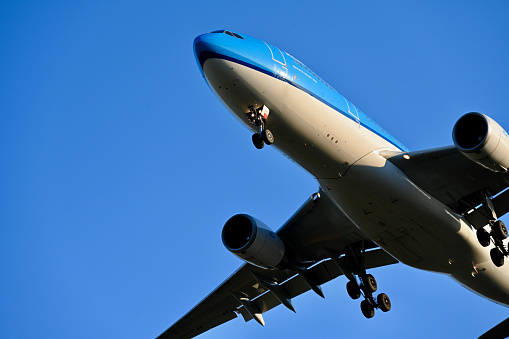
<point>406,156</point>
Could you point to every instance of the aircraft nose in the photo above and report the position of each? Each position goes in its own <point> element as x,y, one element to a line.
<point>204,46</point>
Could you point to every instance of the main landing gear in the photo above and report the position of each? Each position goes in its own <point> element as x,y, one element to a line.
<point>367,285</point>
<point>497,234</point>
<point>366,289</point>
<point>258,117</point>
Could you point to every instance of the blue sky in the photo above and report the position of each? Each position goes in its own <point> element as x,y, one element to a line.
<point>119,166</point>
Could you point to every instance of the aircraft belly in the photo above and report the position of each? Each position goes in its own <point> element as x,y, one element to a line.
<point>487,280</point>
<point>408,223</point>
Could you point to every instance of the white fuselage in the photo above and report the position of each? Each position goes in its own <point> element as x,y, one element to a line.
<point>344,157</point>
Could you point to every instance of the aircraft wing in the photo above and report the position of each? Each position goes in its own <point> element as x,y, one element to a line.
<point>251,290</point>
<point>456,181</point>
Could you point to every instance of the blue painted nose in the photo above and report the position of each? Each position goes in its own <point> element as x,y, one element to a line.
<point>220,44</point>
<point>204,46</point>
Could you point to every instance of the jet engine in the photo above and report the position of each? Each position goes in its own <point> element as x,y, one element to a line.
<point>252,241</point>
<point>482,140</point>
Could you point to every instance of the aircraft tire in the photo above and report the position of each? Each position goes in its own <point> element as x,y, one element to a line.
<point>384,303</point>
<point>483,237</point>
<point>497,257</point>
<point>257,141</point>
<point>367,309</point>
<point>268,137</point>
<point>500,230</point>
<point>353,290</point>
<point>370,283</point>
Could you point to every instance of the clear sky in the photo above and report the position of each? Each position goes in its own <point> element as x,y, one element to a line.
<point>119,167</point>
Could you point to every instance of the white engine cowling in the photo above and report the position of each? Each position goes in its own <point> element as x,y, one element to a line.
<point>252,241</point>
<point>483,141</point>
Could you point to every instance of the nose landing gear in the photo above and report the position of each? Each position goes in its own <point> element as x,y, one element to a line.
<point>258,117</point>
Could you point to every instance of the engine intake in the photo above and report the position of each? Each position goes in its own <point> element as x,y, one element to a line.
<point>252,241</point>
<point>482,140</point>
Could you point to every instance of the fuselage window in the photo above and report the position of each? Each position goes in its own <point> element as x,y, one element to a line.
<point>235,35</point>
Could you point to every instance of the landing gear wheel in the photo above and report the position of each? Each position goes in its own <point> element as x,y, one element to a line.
<point>258,141</point>
<point>267,136</point>
<point>367,309</point>
<point>353,290</point>
<point>383,302</point>
<point>369,283</point>
<point>499,230</point>
<point>497,257</point>
<point>484,237</point>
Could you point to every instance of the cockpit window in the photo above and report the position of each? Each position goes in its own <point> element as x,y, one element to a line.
<point>235,35</point>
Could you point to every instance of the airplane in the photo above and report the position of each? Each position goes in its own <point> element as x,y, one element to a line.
<point>378,203</point>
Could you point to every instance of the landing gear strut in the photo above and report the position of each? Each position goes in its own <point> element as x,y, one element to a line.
<point>258,117</point>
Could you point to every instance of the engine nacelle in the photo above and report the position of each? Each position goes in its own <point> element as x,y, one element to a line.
<point>252,241</point>
<point>483,141</point>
